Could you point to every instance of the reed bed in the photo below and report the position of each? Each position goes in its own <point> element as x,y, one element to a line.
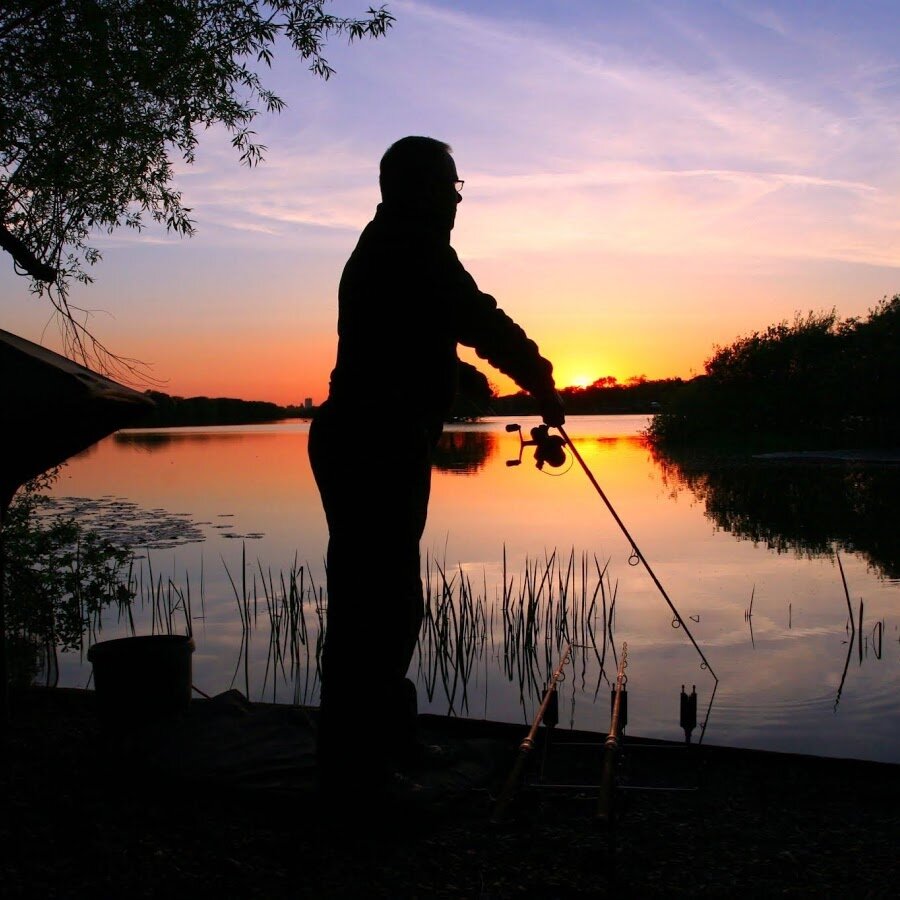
<point>294,619</point>
<point>472,632</point>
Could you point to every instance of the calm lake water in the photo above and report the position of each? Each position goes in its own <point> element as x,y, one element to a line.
<point>754,557</point>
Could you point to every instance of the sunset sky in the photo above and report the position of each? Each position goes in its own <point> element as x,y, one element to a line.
<point>644,181</point>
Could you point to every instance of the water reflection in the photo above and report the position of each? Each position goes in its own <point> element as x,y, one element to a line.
<point>163,440</point>
<point>464,452</point>
<point>780,680</point>
<point>808,508</point>
<point>559,601</point>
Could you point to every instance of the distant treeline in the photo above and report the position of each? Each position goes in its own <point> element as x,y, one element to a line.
<point>606,396</point>
<point>474,402</point>
<point>819,380</point>
<point>171,412</point>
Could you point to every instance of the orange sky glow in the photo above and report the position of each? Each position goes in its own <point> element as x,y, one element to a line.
<point>642,185</point>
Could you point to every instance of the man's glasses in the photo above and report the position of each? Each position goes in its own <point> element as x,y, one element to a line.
<point>458,185</point>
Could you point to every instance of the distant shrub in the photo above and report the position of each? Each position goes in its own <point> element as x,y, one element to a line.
<point>817,379</point>
<point>57,578</point>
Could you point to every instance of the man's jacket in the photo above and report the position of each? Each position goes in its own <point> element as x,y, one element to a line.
<point>404,304</point>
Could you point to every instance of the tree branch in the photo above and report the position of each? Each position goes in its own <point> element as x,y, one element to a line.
<point>25,258</point>
<point>36,11</point>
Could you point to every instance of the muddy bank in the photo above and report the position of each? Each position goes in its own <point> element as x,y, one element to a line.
<point>224,803</point>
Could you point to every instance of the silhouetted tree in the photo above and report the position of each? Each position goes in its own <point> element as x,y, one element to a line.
<point>474,393</point>
<point>608,396</point>
<point>817,379</point>
<point>177,411</point>
<point>99,96</point>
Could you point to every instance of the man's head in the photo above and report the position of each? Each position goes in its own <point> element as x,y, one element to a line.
<point>418,177</point>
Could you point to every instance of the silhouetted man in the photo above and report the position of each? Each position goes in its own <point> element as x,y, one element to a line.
<point>404,304</point>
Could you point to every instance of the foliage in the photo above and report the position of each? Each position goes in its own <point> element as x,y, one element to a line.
<point>57,576</point>
<point>606,396</point>
<point>100,95</point>
<point>474,393</point>
<point>819,378</point>
<point>171,411</point>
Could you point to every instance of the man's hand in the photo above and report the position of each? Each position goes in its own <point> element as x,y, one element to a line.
<point>551,409</point>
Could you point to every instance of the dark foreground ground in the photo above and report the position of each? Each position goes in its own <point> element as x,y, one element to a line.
<point>222,803</point>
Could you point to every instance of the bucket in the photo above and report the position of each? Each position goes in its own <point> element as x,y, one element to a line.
<point>141,677</point>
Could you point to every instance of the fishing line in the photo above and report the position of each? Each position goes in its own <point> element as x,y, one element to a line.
<point>636,552</point>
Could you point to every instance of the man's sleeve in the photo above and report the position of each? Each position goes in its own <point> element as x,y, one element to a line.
<point>497,339</point>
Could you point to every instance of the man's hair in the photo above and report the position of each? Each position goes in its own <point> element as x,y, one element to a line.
<point>408,162</point>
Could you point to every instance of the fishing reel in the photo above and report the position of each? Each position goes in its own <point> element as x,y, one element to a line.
<point>549,449</point>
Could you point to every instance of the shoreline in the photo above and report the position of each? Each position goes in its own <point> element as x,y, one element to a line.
<point>221,802</point>
<point>864,456</point>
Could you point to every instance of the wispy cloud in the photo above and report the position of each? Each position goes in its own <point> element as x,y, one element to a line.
<point>674,148</point>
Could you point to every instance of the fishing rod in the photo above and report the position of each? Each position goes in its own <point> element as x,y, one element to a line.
<point>546,710</point>
<point>611,745</point>
<point>550,450</point>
